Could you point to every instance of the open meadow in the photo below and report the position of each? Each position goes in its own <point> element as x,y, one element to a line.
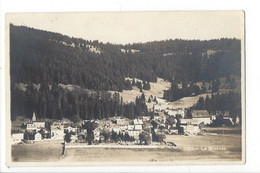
<point>44,151</point>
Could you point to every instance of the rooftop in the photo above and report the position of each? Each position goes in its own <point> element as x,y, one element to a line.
<point>200,114</point>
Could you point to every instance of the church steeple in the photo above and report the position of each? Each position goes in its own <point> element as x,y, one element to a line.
<point>33,117</point>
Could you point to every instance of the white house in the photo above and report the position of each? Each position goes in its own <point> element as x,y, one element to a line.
<point>57,131</point>
<point>133,133</point>
<point>96,134</point>
<point>157,107</point>
<point>191,129</point>
<point>130,127</point>
<point>182,112</point>
<point>71,129</point>
<point>31,127</point>
<point>138,127</point>
<point>138,121</point>
<point>174,112</point>
<point>37,137</point>
<point>213,117</point>
<point>17,137</point>
<point>39,124</point>
<point>120,121</point>
<point>237,120</point>
<point>124,127</point>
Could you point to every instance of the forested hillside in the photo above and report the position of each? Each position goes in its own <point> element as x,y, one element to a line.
<point>39,55</point>
<point>50,59</point>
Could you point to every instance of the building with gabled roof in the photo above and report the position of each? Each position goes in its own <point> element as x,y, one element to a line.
<point>202,116</point>
<point>38,137</point>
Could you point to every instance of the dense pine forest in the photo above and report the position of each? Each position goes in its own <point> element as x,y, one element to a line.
<point>48,59</point>
<point>220,103</point>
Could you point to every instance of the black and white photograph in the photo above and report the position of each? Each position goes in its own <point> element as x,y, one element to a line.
<point>126,88</point>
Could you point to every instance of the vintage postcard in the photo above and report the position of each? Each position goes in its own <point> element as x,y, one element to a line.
<point>125,88</point>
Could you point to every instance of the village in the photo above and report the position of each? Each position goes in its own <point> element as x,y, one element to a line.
<point>144,130</point>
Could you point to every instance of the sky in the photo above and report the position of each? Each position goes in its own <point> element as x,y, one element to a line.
<point>132,27</point>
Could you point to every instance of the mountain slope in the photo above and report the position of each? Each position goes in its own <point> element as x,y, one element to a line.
<point>38,56</point>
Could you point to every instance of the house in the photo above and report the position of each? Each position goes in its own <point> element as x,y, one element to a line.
<point>31,127</point>
<point>161,126</point>
<point>71,128</point>
<point>45,133</point>
<point>174,112</point>
<point>84,131</point>
<point>38,137</point>
<point>137,141</point>
<point>146,118</point>
<point>189,129</point>
<point>213,117</point>
<point>138,127</point>
<point>173,130</point>
<point>190,121</point>
<point>138,121</point>
<point>35,125</point>
<point>123,127</point>
<point>39,124</point>
<point>160,119</point>
<point>182,112</point>
<point>65,121</point>
<point>227,119</point>
<point>73,138</point>
<point>57,131</point>
<point>102,138</point>
<point>16,138</point>
<point>130,127</point>
<point>202,116</point>
<point>120,121</point>
<point>237,120</point>
<point>157,107</point>
<point>96,134</point>
<point>147,124</point>
<point>133,133</point>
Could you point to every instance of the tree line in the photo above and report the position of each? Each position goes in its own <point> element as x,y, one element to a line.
<point>221,102</point>
<point>55,102</point>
